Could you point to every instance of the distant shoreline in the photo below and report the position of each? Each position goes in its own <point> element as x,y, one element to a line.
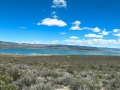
<point>19,55</point>
<point>27,55</point>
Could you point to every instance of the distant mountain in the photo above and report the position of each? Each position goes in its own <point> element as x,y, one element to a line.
<point>52,46</point>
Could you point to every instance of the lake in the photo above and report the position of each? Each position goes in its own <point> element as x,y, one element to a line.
<point>57,52</point>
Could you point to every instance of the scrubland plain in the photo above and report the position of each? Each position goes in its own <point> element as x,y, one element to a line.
<point>59,72</point>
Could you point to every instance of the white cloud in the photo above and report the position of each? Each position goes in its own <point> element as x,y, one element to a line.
<point>103,41</point>
<point>55,42</point>
<point>59,4</point>
<point>74,41</point>
<point>54,15</point>
<point>52,22</point>
<point>73,37</point>
<point>93,36</point>
<point>116,30</point>
<point>86,28</point>
<point>37,42</point>
<point>96,29</point>
<point>118,34</point>
<point>62,33</point>
<point>104,33</point>
<point>38,23</point>
<point>76,25</point>
<point>75,28</point>
<point>93,41</point>
<point>31,42</point>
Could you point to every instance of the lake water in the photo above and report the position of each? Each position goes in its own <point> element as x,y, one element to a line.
<point>58,52</point>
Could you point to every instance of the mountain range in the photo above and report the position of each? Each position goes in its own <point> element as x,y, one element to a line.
<point>4,44</point>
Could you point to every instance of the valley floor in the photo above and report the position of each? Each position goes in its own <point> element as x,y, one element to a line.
<point>20,72</point>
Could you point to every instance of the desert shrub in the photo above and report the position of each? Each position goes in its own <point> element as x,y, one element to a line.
<point>76,84</point>
<point>99,76</point>
<point>2,69</point>
<point>40,80</point>
<point>40,86</point>
<point>70,69</point>
<point>2,84</point>
<point>10,86</point>
<point>65,79</point>
<point>14,73</point>
<point>50,73</point>
<point>6,79</point>
<point>21,66</point>
<point>114,84</point>
<point>81,84</point>
<point>26,81</point>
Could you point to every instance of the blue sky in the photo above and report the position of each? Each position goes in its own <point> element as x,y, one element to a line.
<point>73,22</point>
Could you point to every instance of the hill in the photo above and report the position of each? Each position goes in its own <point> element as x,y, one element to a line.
<point>52,46</point>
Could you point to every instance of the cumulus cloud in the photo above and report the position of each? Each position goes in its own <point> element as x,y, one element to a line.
<point>54,15</point>
<point>73,40</point>
<point>104,33</point>
<point>86,28</point>
<point>52,22</point>
<point>118,34</point>
<point>93,41</point>
<point>73,37</point>
<point>59,4</point>
<point>116,30</point>
<point>103,41</point>
<point>96,29</point>
<point>93,36</point>
<point>75,28</point>
<point>76,25</point>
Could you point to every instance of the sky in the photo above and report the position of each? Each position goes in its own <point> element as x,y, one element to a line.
<point>93,23</point>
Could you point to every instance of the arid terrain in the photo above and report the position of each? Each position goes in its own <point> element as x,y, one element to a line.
<point>20,72</point>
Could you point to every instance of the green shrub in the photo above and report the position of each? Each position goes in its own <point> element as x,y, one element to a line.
<point>6,79</point>
<point>27,81</point>
<point>15,74</point>
<point>78,84</point>
<point>11,87</point>
<point>65,79</point>
<point>50,73</point>
<point>40,86</point>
